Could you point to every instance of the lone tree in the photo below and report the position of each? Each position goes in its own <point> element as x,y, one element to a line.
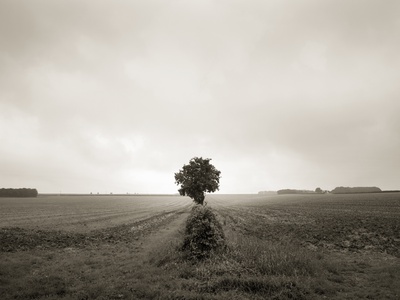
<point>197,178</point>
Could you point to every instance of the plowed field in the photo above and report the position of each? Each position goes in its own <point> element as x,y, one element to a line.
<point>83,213</point>
<point>127,247</point>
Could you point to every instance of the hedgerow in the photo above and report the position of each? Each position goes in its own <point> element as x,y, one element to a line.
<point>203,233</point>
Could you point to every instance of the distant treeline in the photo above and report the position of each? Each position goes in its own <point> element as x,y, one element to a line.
<point>18,192</point>
<point>292,191</point>
<point>337,190</point>
<point>352,190</point>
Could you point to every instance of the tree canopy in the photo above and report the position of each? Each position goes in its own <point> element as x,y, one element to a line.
<point>197,178</point>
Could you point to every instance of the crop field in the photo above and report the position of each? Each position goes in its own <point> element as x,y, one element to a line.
<point>128,247</point>
<point>83,213</point>
<point>356,223</point>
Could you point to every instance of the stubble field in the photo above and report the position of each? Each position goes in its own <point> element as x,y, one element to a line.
<point>127,247</point>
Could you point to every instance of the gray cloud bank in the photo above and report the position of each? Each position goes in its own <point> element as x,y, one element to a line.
<point>101,96</point>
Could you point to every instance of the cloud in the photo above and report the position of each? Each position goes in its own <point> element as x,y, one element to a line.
<point>118,96</point>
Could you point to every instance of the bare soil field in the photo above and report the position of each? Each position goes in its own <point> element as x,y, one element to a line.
<point>127,247</point>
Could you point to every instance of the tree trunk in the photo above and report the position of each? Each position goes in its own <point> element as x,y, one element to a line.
<point>200,199</point>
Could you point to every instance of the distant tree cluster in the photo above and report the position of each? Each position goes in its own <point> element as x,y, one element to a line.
<point>24,192</point>
<point>337,190</point>
<point>351,190</point>
<point>318,190</point>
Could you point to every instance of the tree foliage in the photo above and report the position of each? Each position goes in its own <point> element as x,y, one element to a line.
<point>197,178</point>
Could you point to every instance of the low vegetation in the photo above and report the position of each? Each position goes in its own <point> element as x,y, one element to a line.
<point>250,268</point>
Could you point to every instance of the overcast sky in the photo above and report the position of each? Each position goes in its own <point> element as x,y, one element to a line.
<point>116,96</point>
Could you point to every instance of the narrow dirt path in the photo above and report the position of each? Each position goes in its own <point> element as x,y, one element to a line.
<point>135,273</point>
<point>161,236</point>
